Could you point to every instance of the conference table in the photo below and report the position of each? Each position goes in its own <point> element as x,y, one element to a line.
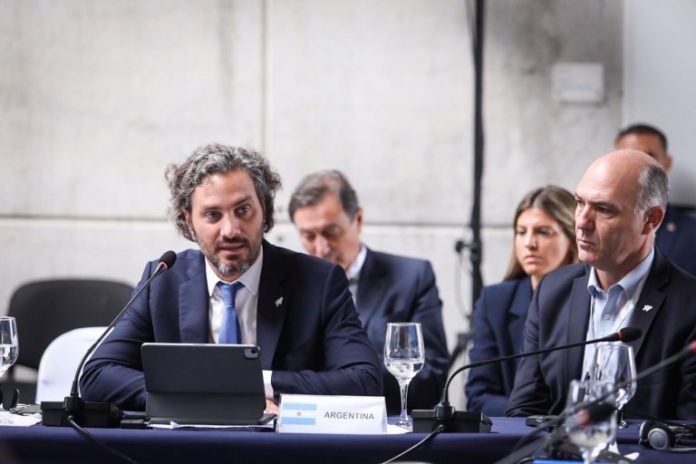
<point>40,444</point>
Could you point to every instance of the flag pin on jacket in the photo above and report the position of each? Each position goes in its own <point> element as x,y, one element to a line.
<point>279,302</point>
<point>647,308</point>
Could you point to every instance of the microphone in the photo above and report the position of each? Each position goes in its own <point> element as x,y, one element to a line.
<point>626,335</point>
<point>425,420</point>
<point>95,413</point>
<point>590,414</point>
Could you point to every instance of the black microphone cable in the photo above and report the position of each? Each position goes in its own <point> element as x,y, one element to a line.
<point>422,442</point>
<point>101,444</point>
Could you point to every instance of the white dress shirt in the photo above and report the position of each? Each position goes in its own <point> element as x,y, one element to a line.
<point>246,303</point>
<point>630,288</point>
<point>353,272</point>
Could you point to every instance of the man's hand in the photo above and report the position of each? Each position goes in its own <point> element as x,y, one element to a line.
<point>271,407</point>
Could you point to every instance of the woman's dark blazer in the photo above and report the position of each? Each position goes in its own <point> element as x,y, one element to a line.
<point>499,317</point>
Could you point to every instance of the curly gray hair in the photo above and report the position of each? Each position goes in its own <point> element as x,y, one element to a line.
<point>215,158</point>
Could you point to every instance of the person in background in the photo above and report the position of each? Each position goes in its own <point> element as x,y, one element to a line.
<point>676,238</point>
<point>386,288</point>
<point>238,288</point>
<point>544,239</point>
<point>622,280</point>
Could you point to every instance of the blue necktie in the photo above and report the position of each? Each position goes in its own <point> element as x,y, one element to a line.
<point>229,331</point>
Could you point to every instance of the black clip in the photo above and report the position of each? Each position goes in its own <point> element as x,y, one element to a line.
<point>9,399</point>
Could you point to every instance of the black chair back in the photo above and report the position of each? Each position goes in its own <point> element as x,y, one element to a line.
<point>48,308</point>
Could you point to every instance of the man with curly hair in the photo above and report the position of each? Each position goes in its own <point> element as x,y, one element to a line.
<point>238,288</point>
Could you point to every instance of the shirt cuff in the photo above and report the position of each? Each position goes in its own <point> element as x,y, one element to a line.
<point>268,388</point>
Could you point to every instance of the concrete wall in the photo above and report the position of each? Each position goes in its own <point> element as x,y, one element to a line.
<point>96,98</point>
<point>659,77</point>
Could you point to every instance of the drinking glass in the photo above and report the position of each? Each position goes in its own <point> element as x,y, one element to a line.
<point>404,356</point>
<point>9,345</point>
<point>615,363</point>
<point>594,435</point>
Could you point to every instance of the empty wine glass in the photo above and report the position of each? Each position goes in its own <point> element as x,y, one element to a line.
<point>9,346</point>
<point>615,363</point>
<point>591,436</point>
<point>404,357</point>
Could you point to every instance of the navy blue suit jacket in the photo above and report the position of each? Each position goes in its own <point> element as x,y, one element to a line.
<point>499,317</point>
<point>398,289</point>
<point>559,314</point>
<point>676,239</point>
<point>313,342</point>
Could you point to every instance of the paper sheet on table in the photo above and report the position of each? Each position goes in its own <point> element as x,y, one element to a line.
<point>614,448</point>
<point>395,430</point>
<point>16,420</point>
<point>174,425</point>
<point>391,429</point>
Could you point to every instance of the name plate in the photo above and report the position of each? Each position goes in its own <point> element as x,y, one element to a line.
<point>332,414</point>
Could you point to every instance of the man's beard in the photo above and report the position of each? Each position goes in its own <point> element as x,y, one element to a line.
<point>229,271</point>
<point>237,269</point>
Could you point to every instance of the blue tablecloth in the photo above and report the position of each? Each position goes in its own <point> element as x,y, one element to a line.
<point>39,444</point>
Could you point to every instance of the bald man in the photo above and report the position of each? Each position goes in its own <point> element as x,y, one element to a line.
<point>676,238</point>
<point>622,281</point>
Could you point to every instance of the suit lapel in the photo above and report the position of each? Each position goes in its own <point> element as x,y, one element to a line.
<point>650,300</point>
<point>193,303</point>
<point>578,319</point>
<point>370,288</point>
<point>518,311</point>
<point>272,304</point>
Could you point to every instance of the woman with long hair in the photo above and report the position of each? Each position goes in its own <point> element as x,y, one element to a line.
<point>544,240</point>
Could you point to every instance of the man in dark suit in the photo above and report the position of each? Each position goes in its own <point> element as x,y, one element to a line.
<point>296,308</point>
<point>623,282</point>
<point>676,238</point>
<point>386,288</point>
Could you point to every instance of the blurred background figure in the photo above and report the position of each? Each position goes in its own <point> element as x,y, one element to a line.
<point>544,231</point>
<point>676,237</point>
<point>386,288</point>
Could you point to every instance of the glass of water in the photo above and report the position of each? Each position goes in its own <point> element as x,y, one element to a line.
<point>590,436</point>
<point>9,345</point>
<point>404,356</point>
<point>615,363</point>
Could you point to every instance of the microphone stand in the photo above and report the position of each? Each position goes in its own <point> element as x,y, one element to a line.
<point>94,413</point>
<point>425,420</point>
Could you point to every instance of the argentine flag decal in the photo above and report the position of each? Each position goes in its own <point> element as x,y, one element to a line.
<point>299,414</point>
